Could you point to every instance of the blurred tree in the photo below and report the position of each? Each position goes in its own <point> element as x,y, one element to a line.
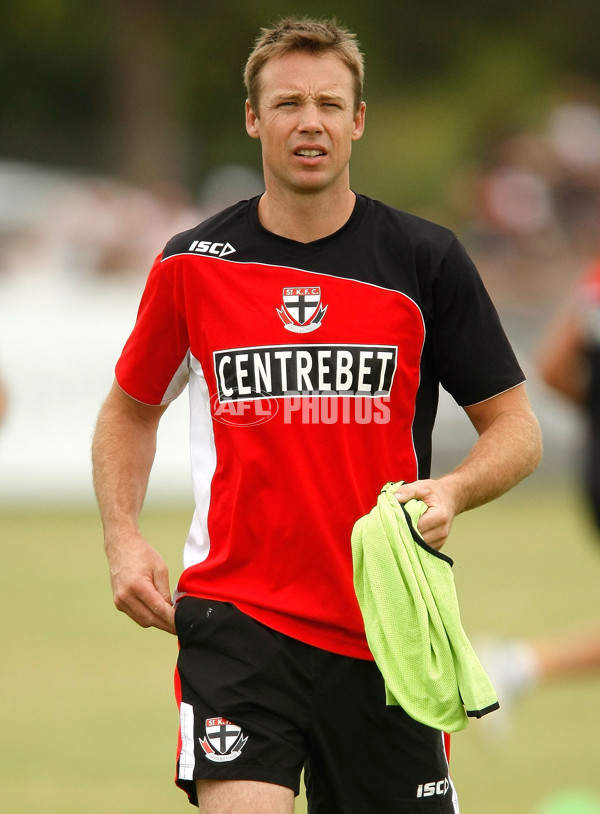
<point>148,140</point>
<point>51,80</point>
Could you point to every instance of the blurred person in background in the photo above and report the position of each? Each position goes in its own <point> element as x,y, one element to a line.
<point>3,401</point>
<point>569,363</point>
<point>530,207</point>
<point>305,300</point>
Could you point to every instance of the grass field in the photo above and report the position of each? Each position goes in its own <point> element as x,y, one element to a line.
<point>88,718</point>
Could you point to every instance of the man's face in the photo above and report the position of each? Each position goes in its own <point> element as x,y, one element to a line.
<point>306,122</point>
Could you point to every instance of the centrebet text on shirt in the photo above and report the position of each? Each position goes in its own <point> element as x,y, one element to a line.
<point>316,383</point>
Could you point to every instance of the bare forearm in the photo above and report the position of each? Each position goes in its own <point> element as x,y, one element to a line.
<point>121,472</point>
<point>123,451</point>
<point>508,451</point>
<point>122,455</point>
<point>575,652</point>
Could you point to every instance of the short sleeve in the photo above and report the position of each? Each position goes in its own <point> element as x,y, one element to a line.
<point>472,354</point>
<point>154,364</point>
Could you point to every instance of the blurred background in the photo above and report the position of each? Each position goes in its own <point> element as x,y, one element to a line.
<point>121,123</point>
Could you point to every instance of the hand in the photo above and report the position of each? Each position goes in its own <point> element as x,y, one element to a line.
<point>435,524</point>
<point>140,583</point>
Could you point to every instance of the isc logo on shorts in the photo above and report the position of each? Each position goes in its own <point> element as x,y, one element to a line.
<point>224,741</point>
<point>433,789</point>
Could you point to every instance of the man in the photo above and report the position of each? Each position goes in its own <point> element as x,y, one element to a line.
<point>569,363</point>
<point>313,327</point>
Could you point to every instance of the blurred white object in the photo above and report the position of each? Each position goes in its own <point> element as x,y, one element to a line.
<point>574,131</point>
<point>513,670</point>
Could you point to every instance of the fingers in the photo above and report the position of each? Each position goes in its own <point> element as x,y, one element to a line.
<point>140,582</point>
<point>156,611</point>
<point>163,618</point>
<point>435,524</point>
<point>436,535</point>
<point>146,607</point>
<point>144,596</point>
<point>163,615</point>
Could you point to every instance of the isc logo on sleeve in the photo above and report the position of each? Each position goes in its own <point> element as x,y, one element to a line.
<point>216,249</point>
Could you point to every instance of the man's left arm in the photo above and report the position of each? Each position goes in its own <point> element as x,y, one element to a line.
<point>508,449</point>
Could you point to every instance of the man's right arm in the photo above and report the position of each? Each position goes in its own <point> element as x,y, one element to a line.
<point>123,451</point>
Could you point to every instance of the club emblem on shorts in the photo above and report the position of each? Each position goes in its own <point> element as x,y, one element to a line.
<point>302,310</point>
<point>224,741</point>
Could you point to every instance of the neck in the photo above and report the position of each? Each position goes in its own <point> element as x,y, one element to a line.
<point>305,218</point>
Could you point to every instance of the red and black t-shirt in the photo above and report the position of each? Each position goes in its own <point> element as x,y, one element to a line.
<point>313,373</point>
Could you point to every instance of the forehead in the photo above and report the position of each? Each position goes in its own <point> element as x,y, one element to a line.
<point>301,72</point>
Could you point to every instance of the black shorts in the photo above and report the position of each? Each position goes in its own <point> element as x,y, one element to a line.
<point>258,705</point>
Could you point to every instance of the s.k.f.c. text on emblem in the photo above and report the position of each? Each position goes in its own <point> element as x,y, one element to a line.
<point>302,310</point>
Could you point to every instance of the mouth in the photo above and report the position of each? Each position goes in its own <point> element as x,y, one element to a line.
<point>309,152</point>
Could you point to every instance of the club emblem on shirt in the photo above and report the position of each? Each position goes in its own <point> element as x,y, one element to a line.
<point>302,310</point>
<point>224,741</point>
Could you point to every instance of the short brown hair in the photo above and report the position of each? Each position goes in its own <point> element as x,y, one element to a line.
<point>313,36</point>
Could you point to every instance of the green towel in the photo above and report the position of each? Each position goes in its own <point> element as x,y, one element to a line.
<point>407,596</point>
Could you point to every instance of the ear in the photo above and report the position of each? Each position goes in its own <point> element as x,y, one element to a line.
<point>359,122</point>
<point>251,121</point>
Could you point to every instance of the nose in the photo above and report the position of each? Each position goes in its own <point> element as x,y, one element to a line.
<point>310,119</point>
